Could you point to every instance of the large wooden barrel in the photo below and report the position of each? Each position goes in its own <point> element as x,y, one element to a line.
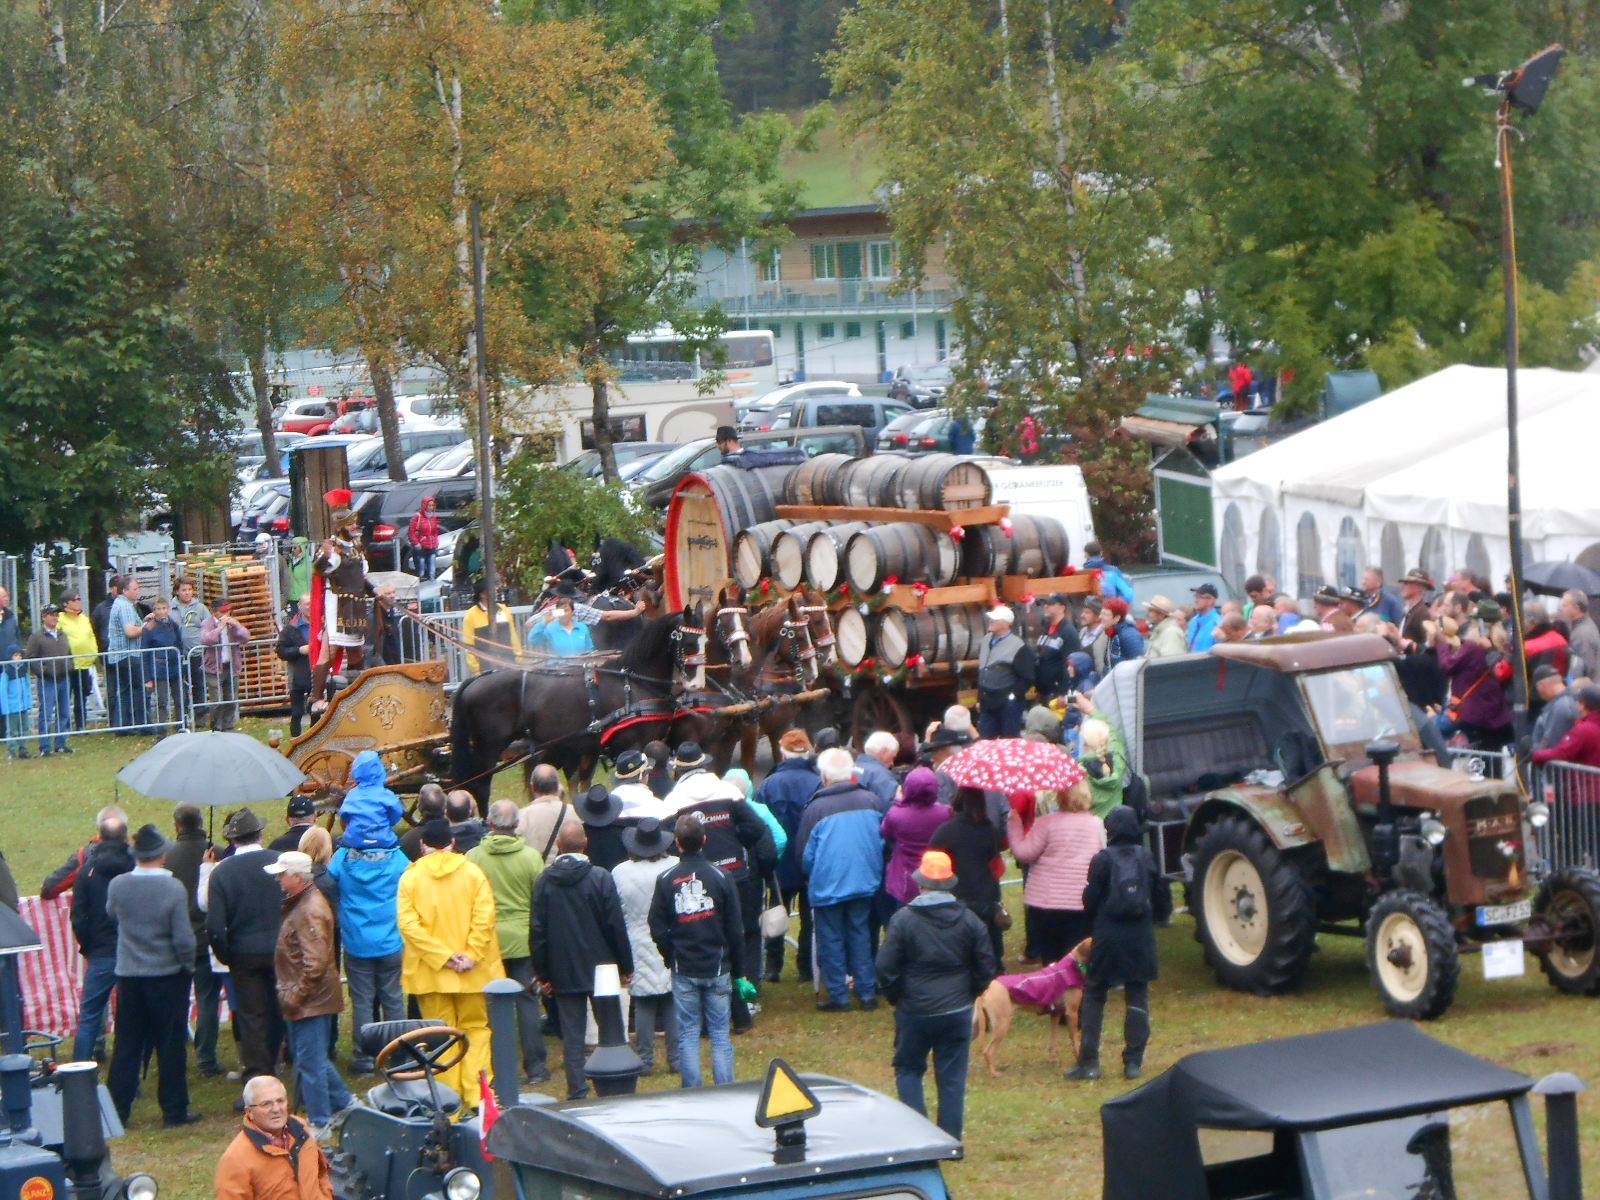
<point>786,562</point>
<point>818,480</point>
<point>906,551</point>
<point>851,636</point>
<point>939,635</point>
<point>752,551</point>
<point>942,481</point>
<point>825,553</point>
<point>871,482</point>
<point>706,511</point>
<point>1038,548</point>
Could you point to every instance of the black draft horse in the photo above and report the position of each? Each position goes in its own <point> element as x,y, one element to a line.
<point>552,707</point>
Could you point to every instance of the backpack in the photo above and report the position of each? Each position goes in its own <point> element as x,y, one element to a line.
<point>1128,896</point>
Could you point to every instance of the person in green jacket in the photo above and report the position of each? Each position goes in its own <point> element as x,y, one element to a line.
<point>1104,756</point>
<point>512,866</point>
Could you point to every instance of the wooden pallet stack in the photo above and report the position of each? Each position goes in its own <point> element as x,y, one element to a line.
<point>244,580</point>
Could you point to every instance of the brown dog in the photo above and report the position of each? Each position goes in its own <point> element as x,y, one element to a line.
<point>993,1013</point>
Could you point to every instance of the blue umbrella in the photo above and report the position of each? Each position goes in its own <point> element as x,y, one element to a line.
<point>213,770</point>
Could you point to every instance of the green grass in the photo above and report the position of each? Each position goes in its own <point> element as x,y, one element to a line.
<point>1030,1134</point>
<point>837,170</point>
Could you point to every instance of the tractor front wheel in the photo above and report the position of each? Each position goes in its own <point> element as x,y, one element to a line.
<point>1254,916</point>
<point>1412,955</point>
<point>1570,903</point>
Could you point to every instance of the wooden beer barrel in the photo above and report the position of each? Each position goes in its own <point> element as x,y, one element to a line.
<point>1038,548</point>
<point>851,636</point>
<point>825,553</point>
<point>952,633</point>
<point>942,481</point>
<point>871,482</point>
<point>818,480</point>
<point>752,551</point>
<point>786,561</point>
<point>906,551</point>
<point>706,511</point>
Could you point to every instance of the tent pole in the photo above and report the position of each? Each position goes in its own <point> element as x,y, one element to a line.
<point>1508,270</point>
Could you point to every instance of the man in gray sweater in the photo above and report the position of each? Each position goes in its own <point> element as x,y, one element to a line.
<point>155,957</point>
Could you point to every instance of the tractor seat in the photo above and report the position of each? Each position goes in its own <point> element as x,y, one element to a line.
<point>410,1097</point>
<point>375,1035</point>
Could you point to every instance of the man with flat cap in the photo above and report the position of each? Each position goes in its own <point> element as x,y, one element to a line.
<point>1201,633</point>
<point>302,816</point>
<point>244,908</point>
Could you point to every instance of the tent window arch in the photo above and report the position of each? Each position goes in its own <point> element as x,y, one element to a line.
<point>1478,557</point>
<point>1434,560</point>
<point>1269,546</point>
<point>1233,548</point>
<point>1348,552</point>
<point>1308,554</point>
<point>1392,553</point>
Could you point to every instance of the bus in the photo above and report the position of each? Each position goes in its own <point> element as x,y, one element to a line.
<point>749,367</point>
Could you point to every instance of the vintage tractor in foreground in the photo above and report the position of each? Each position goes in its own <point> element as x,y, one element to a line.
<point>1290,792</point>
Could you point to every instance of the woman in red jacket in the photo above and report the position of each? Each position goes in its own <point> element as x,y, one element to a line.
<point>423,534</point>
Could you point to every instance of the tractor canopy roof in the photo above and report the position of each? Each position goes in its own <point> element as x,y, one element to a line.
<point>1298,1084</point>
<point>689,1142</point>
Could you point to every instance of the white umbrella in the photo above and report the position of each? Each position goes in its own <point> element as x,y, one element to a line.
<point>213,770</point>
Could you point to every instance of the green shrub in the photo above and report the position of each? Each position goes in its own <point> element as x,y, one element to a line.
<point>536,504</point>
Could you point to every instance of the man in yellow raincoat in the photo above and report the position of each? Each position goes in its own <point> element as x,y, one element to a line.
<point>446,915</point>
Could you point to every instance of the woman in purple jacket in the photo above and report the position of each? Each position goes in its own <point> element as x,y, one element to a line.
<point>1478,706</point>
<point>909,826</point>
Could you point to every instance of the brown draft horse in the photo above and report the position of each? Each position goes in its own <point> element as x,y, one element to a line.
<point>793,644</point>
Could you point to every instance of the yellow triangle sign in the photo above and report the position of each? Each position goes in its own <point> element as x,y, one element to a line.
<point>785,1100</point>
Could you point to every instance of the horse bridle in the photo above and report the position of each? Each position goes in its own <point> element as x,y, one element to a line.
<point>735,635</point>
<point>795,637</point>
<point>689,664</point>
<point>825,641</point>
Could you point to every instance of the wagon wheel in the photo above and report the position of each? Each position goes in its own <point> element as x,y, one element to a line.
<point>876,707</point>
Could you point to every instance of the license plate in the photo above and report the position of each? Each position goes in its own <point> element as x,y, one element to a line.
<point>1504,914</point>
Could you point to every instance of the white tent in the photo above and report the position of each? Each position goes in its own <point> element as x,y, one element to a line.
<point>1315,485</point>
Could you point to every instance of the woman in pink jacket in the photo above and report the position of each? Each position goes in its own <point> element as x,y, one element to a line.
<point>423,534</point>
<point>1057,849</point>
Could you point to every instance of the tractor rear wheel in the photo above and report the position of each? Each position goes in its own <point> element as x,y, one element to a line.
<point>1412,955</point>
<point>1254,916</point>
<point>1570,902</point>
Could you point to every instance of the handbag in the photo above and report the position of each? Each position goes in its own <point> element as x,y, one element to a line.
<point>1002,917</point>
<point>774,921</point>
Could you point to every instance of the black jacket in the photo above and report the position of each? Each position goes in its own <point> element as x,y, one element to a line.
<point>289,839</point>
<point>244,906</point>
<point>605,844</point>
<point>183,860</point>
<point>575,925</point>
<point>1124,951</point>
<point>1051,648</point>
<point>736,838</point>
<point>972,848</point>
<point>465,835</point>
<point>696,921</point>
<point>291,641</point>
<point>94,929</point>
<point>936,958</point>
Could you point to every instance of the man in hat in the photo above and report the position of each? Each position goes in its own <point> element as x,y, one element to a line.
<point>695,921</point>
<point>577,926</point>
<point>223,635</point>
<point>1056,640</point>
<point>445,908</point>
<point>599,810</point>
<point>302,816</point>
<point>340,583</point>
<point>936,959</point>
<point>50,659</point>
<point>1326,602</point>
<point>1166,638</point>
<point>1005,669</point>
<point>512,867</point>
<point>1558,710</point>
<point>629,786</point>
<point>728,442</point>
<point>786,791</point>
<point>244,908</point>
<point>1201,633</point>
<point>155,954</point>
<point>1414,588</point>
<point>309,994</point>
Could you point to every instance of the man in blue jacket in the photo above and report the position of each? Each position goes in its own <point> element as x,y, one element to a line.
<point>1203,623</point>
<point>786,791</point>
<point>369,882</point>
<point>841,854</point>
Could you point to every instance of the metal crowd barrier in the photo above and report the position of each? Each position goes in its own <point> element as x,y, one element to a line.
<point>437,635</point>
<point>1572,792</point>
<point>127,692</point>
<point>218,691</point>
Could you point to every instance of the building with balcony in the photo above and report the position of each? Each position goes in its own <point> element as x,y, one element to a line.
<point>831,298</point>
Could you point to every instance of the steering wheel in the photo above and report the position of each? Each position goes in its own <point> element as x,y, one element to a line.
<point>434,1049</point>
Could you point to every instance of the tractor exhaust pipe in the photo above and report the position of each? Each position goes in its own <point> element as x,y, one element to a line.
<point>83,1141</point>
<point>1560,1092</point>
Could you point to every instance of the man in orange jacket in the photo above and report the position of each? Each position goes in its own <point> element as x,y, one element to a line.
<point>274,1157</point>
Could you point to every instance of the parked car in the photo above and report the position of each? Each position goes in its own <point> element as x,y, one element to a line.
<point>247,449</point>
<point>925,432</point>
<point>1175,583</point>
<point>921,386</point>
<point>870,413</point>
<point>268,503</point>
<point>655,484</point>
<point>629,455</point>
<point>756,416</point>
<point>368,459</point>
<point>385,508</point>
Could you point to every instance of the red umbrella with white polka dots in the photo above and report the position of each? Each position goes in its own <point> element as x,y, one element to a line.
<point>1013,765</point>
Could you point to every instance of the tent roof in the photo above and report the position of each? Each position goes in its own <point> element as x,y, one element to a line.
<point>1318,1081</point>
<point>1337,459</point>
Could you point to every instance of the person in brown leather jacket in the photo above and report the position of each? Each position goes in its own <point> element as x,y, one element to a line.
<point>308,987</point>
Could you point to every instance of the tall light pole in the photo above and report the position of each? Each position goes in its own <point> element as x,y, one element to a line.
<point>480,383</point>
<point>1521,89</point>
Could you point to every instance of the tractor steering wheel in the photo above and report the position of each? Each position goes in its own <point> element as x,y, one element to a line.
<point>433,1050</point>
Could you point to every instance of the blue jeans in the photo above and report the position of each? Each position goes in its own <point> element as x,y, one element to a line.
<point>948,1036</point>
<point>709,1001</point>
<point>55,714</point>
<point>844,946</point>
<point>99,977</point>
<point>374,994</point>
<point>321,1088</point>
<point>424,562</point>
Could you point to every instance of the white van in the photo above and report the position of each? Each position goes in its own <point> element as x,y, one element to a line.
<point>1045,491</point>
